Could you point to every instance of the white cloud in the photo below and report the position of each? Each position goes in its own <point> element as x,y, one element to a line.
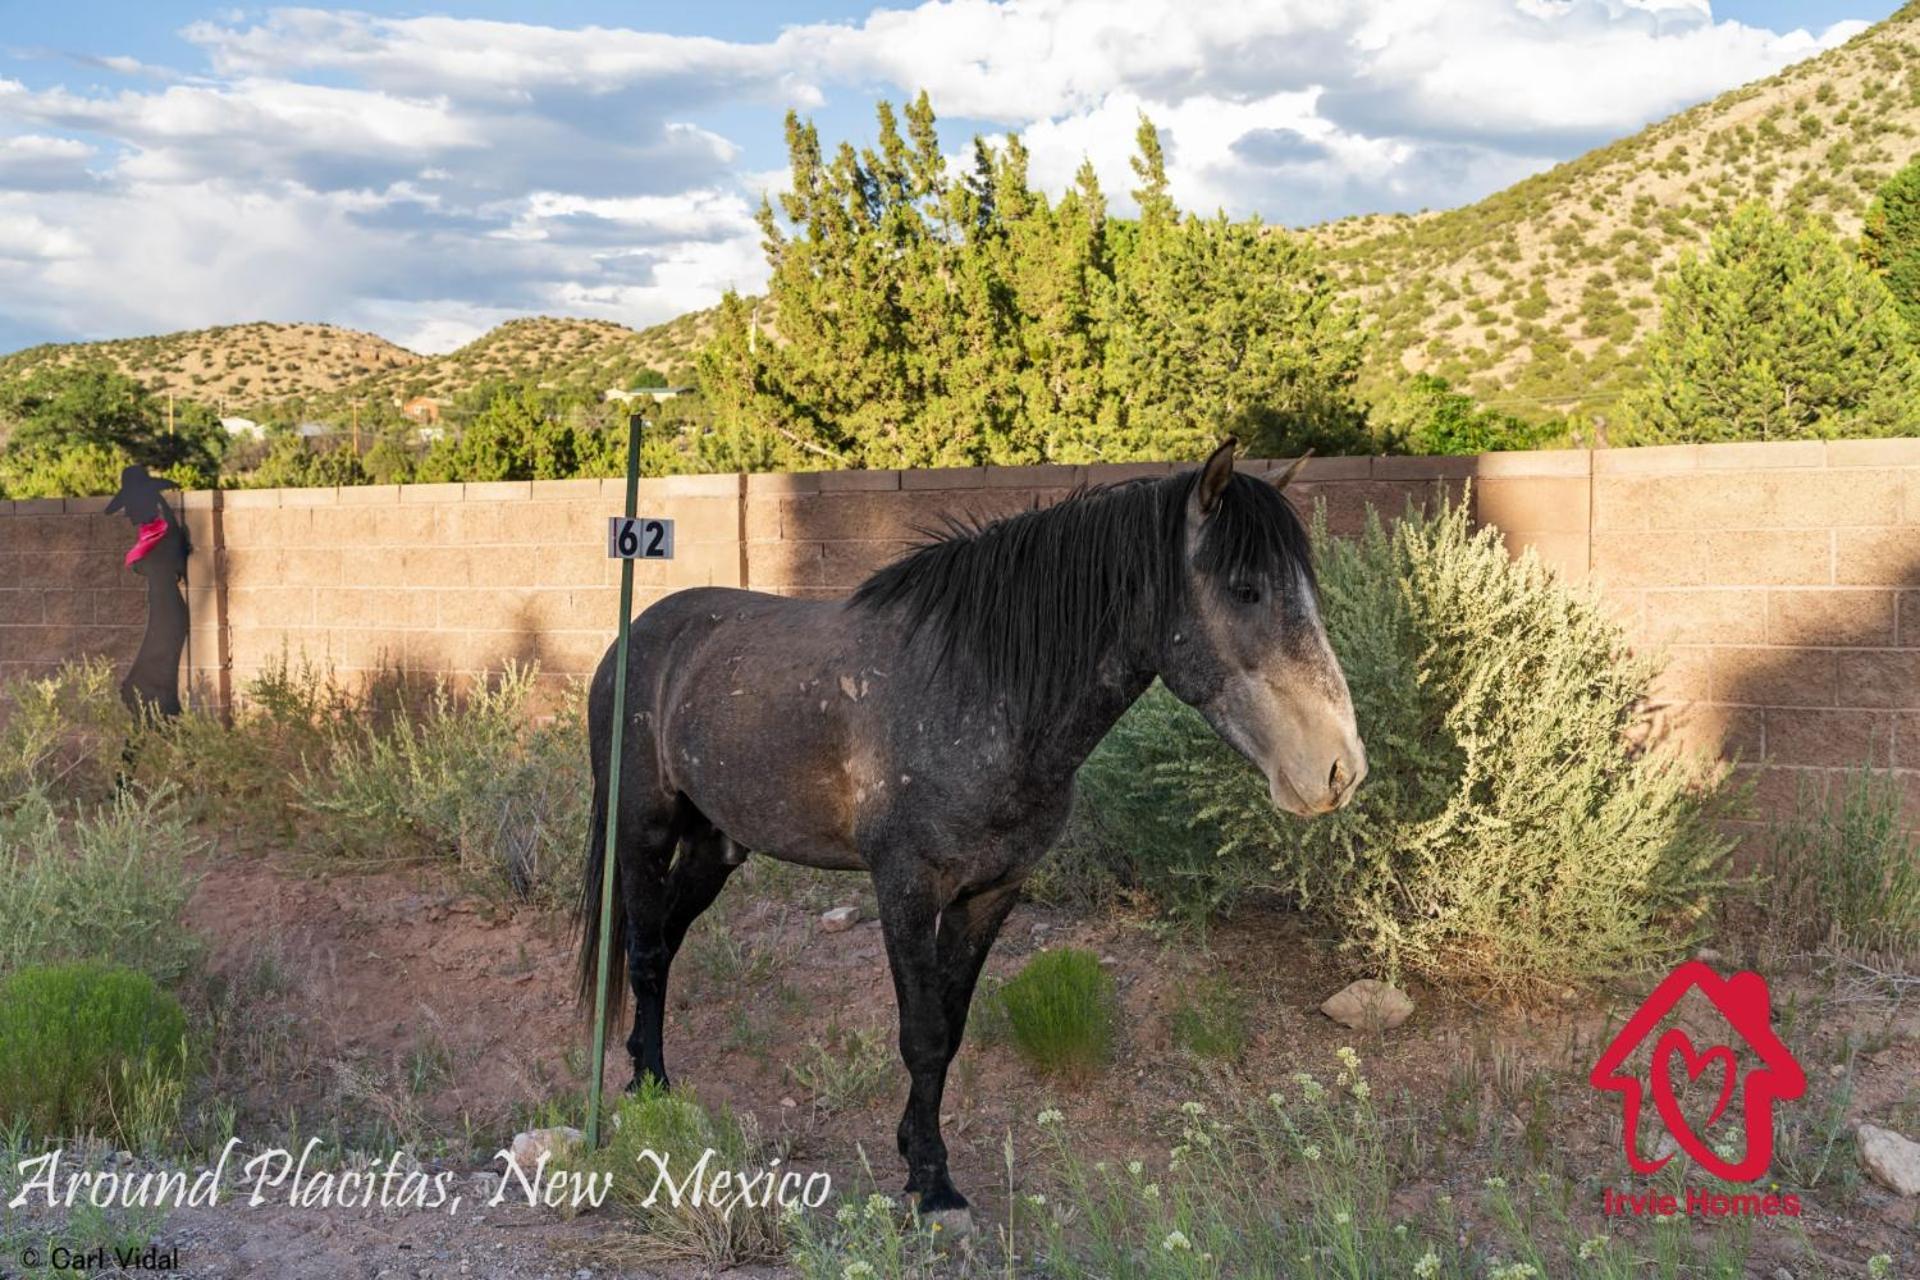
<point>34,162</point>
<point>427,177</point>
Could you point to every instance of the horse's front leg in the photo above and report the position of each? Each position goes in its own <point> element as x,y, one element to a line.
<point>909,917</point>
<point>968,928</point>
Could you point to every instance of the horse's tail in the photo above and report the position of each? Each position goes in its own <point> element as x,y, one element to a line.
<point>588,914</point>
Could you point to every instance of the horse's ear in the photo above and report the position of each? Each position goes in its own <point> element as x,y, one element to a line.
<point>1285,478</point>
<point>1214,475</point>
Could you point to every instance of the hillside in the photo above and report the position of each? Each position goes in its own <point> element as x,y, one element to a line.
<point>324,370</point>
<point>1538,297</point>
<point>597,354</point>
<point>232,367</point>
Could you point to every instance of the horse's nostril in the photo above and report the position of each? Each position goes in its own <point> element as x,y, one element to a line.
<point>1333,778</point>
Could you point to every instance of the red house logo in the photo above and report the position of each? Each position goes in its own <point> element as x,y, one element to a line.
<point>1744,1002</point>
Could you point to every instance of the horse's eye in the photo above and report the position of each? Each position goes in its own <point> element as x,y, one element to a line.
<point>1245,593</point>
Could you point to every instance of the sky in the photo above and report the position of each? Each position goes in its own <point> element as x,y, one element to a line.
<point>425,172</point>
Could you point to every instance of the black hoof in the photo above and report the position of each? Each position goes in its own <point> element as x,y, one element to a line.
<point>942,1199</point>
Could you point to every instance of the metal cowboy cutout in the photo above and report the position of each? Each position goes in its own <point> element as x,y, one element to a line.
<point>159,554</point>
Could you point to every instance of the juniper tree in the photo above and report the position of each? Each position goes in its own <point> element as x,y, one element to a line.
<point>1890,239</point>
<point>1776,333</point>
<point>931,318</point>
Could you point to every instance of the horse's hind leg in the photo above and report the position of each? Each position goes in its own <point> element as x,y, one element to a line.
<point>660,908</point>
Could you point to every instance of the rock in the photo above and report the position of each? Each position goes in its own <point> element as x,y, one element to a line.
<point>1893,1161</point>
<point>1368,1005</point>
<point>530,1146</point>
<point>839,920</point>
<point>484,1185</point>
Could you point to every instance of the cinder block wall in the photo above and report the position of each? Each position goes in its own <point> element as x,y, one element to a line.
<point>1782,580</point>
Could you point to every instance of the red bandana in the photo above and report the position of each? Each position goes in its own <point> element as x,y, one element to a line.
<point>150,535</point>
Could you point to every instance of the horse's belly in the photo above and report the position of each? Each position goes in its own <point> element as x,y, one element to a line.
<point>775,807</point>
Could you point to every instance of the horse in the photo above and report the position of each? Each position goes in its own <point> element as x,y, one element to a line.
<point>926,731</point>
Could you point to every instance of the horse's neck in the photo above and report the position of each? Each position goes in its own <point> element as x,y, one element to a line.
<point>1063,746</point>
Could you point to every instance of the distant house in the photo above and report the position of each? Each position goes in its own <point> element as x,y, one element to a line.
<point>422,409</point>
<point>655,394</point>
<point>428,435</point>
<point>241,427</point>
<point>309,430</point>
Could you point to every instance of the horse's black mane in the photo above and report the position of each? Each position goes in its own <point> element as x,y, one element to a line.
<point>1028,603</point>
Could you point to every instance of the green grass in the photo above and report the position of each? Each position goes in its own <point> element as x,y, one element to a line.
<point>1211,1020</point>
<point>1060,1012</point>
<point>90,1048</point>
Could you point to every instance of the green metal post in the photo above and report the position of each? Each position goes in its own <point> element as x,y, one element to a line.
<point>613,794</point>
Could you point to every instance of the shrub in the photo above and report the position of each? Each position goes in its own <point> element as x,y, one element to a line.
<point>1845,871</point>
<point>1519,828</point>
<point>847,1070</point>
<point>1060,1012</point>
<point>62,734</point>
<point>474,779</point>
<point>89,1048</point>
<point>650,1131</point>
<point>246,772</point>
<point>108,885</point>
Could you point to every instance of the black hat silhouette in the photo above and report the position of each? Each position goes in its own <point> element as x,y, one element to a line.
<point>139,492</point>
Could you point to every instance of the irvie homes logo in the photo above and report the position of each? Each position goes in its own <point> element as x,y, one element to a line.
<point>1744,1002</point>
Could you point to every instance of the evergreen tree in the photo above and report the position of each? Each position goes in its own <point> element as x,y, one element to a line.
<point>1890,239</point>
<point>111,419</point>
<point>1776,334</point>
<point>929,319</point>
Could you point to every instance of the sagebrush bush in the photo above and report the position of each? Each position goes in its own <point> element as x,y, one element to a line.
<point>1060,1012</point>
<point>1520,825</point>
<point>475,779</point>
<point>62,735</point>
<point>1844,869</point>
<point>89,1048</point>
<point>244,773</point>
<point>107,884</point>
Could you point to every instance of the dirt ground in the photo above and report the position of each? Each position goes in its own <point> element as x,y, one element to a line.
<point>364,1006</point>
